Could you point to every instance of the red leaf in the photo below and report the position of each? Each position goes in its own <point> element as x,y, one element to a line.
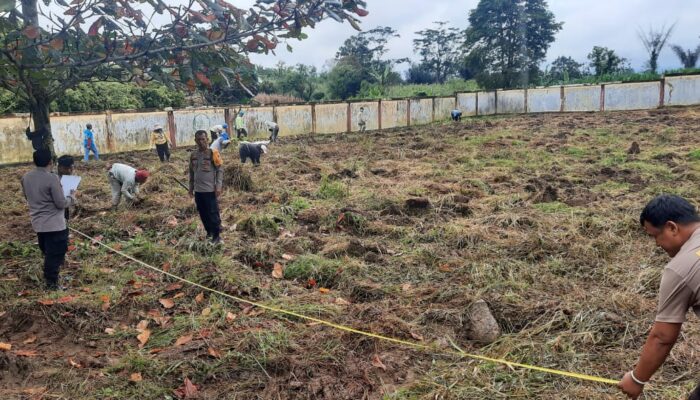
<point>167,303</point>
<point>277,271</point>
<point>183,340</point>
<point>214,352</point>
<point>93,31</point>
<point>201,17</point>
<point>57,43</point>
<point>203,78</point>
<point>376,362</point>
<point>360,12</point>
<point>188,390</point>
<point>215,35</point>
<point>252,44</point>
<point>26,353</point>
<point>173,286</point>
<point>31,31</point>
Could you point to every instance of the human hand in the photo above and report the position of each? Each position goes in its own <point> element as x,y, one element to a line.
<point>628,386</point>
<point>191,193</point>
<point>74,193</point>
<point>218,193</point>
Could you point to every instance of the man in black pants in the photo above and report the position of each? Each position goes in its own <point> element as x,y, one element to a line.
<point>206,182</point>
<point>47,204</point>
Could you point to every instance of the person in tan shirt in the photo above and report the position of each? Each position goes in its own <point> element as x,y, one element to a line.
<point>675,225</point>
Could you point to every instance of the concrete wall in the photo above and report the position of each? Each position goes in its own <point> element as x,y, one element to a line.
<point>544,100</point>
<point>294,120</point>
<point>487,103</point>
<point>421,111</point>
<point>443,107</point>
<point>511,101</point>
<point>187,122</point>
<point>394,113</point>
<point>331,118</point>
<point>582,98</point>
<point>682,90</point>
<point>14,146</point>
<point>119,132</point>
<point>466,102</point>
<point>632,96</point>
<point>133,131</point>
<point>370,114</point>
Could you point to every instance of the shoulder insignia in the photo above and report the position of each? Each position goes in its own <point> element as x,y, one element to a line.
<point>698,253</point>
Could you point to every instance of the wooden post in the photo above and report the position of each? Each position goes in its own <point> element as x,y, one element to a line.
<point>349,118</point>
<point>172,128</point>
<point>274,114</point>
<point>562,99</point>
<point>495,102</point>
<point>433,114</point>
<point>379,115</point>
<point>602,97</point>
<point>662,92</point>
<point>476,104</point>
<point>227,120</point>
<point>525,94</point>
<point>111,145</point>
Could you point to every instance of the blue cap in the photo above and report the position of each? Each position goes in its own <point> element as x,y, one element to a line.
<point>225,126</point>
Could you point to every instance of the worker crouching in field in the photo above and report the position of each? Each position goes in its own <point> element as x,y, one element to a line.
<point>206,184</point>
<point>253,151</point>
<point>675,226</point>
<point>47,203</point>
<point>125,180</point>
<point>456,115</point>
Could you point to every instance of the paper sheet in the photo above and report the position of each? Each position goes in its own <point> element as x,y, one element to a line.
<point>69,183</point>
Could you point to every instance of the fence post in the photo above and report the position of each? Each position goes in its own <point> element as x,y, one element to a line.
<point>495,102</point>
<point>313,118</point>
<point>111,145</point>
<point>562,99</point>
<point>662,92</point>
<point>408,112</point>
<point>432,118</point>
<point>602,97</point>
<point>172,128</point>
<point>379,115</point>
<point>227,119</point>
<point>476,104</point>
<point>349,118</point>
<point>525,94</point>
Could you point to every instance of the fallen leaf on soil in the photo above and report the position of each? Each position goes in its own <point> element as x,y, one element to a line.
<point>110,331</point>
<point>324,290</point>
<point>173,286</point>
<point>142,325</point>
<point>143,337</point>
<point>183,340</point>
<point>311,283</point>
<point>206,312</point>
<point>5,346</point>
<point>136,377</point>
<point>26,353</point>
<point>156,350</point>
<point>106,270</point>
<point>165,267</point>
<point>341,301</point>
<point>178,295</point>
<point>445,268</point>
<point>73,363</point>
<point>230,316</point>
<point>199,298</point>
<point>288,257</point>
<point>406,287</point>
<point>416,336</point>
<point>214,352</point>
<point>104,298</point>
<point>277,271</point>
<point>24,293</point>
<point>30,340</point>
<point>71,248</point>
<point>36,390</point>
<point>376,362</point>
<point>188,390</point>
<point>171,221</point>
<point>46,302</point>
<point>167,303</point>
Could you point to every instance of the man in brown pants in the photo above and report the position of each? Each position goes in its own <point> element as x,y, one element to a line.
<point>675,225</point>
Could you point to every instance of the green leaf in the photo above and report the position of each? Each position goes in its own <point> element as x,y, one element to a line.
<point>289,48</point>
<point>7,5</point>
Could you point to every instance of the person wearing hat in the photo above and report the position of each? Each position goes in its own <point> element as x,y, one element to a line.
<point>274,130</point>
<point>456,115</point>
<point>89,143</point>
<point>125,180</point>
<point>47,203</point>
<point>240,126</point>
<point>253,151</point>
<point>218,130</point>
<point>162,143</point>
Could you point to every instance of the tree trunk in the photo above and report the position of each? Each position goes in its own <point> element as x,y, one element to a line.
<point>39,107</point>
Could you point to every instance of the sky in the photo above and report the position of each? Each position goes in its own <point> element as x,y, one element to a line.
<point>587,23</point>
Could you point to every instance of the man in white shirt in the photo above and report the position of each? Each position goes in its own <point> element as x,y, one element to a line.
<point>125,180</point>
<point>274,130</point>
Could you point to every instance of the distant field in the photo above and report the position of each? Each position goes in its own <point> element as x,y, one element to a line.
<point>535,214</point>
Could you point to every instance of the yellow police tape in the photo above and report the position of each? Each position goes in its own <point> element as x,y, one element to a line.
<point>359,332</point>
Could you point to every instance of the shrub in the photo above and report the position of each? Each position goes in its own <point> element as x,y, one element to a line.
<point>310,266</point>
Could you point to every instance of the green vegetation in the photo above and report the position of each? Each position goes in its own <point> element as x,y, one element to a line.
<point>311,266</point>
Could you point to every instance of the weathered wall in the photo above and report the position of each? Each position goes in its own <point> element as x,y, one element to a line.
<point>421,111</point>
<point>68,133</point>
<point>582,98</point>
<point>443,107</point>
<point>394,113</point>
<point>133,131</point>
<point>294,120</point>
<point>370,114</point>
<point>255,119</point>
<point>187,122</point>
<point>487,103</point>
<point>331,118</point>
<point>632,96</point>
<point>466,102</point>
<point>544,100</point>
<point>682,90</point>
<point>14,146</point>
<point>511,101</point>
